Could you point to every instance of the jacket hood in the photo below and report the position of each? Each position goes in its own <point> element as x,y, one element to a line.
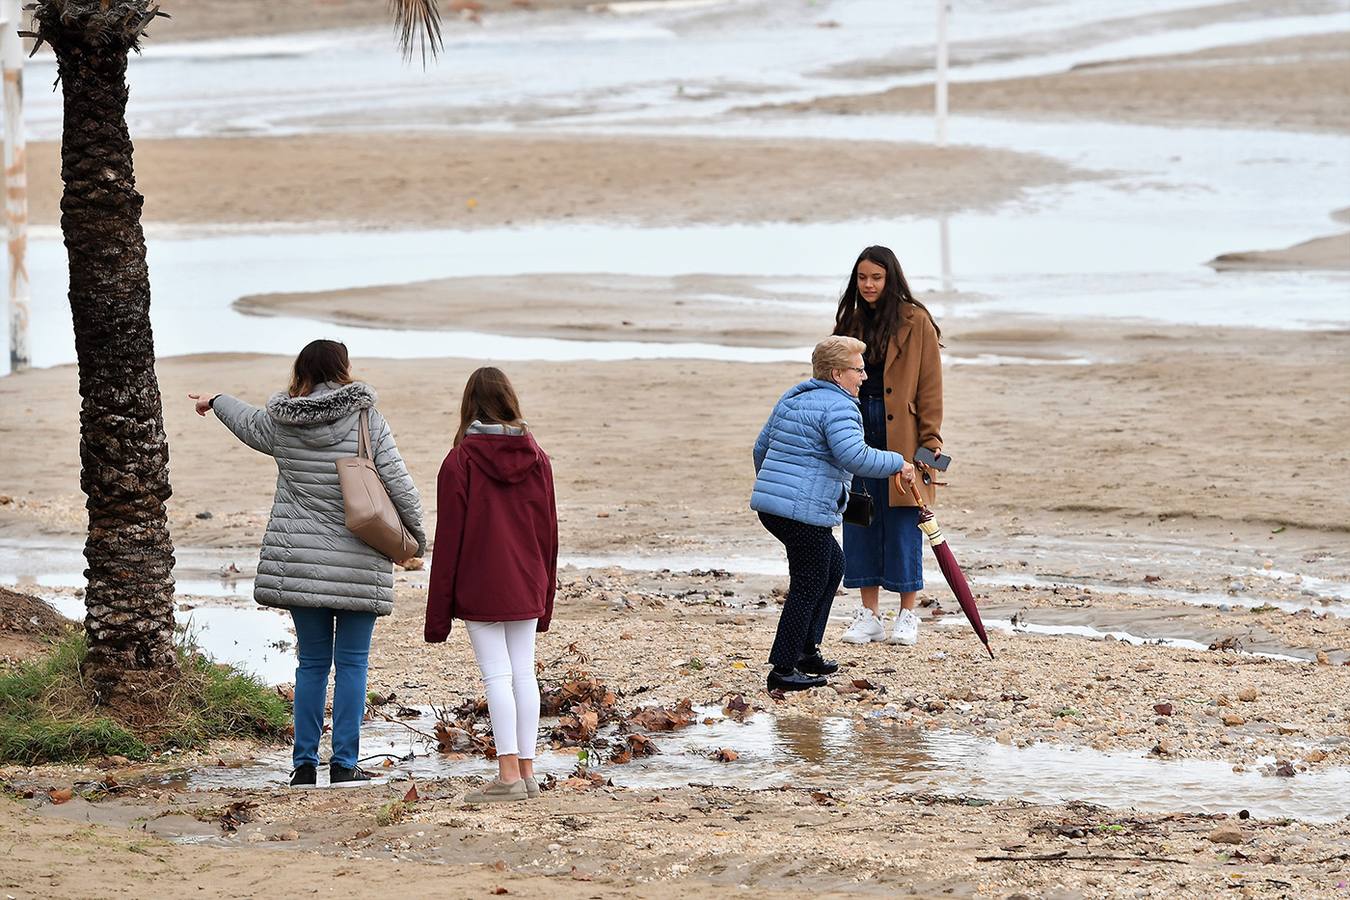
<point>477,427</point>
<point>323,413</point>
<point>502,455</point>
<point>817,384</point>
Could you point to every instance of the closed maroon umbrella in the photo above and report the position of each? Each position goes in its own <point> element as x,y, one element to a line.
<point>950,570</point>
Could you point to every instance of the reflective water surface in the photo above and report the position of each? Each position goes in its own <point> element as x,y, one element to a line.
<point>832,751</point>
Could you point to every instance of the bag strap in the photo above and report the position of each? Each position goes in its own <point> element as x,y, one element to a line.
<point>363,436</point>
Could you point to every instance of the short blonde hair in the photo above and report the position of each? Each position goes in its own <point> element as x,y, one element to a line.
<point>833,353</point>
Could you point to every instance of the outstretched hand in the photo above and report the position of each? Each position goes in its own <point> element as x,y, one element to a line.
<point>203,403</point>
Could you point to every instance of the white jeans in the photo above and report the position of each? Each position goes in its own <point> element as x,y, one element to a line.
<point>505,654</point>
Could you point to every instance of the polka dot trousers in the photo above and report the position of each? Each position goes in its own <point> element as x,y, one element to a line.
<point>815,568</point>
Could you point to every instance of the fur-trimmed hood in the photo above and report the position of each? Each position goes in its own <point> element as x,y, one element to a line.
<point>309,558</point>
<point>324,411</point>
<point>326,403</point>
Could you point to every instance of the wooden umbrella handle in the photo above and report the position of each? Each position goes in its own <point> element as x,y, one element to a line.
<point>914,491</point>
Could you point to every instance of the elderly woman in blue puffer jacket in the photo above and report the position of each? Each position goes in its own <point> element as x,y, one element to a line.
<point>805,459</point>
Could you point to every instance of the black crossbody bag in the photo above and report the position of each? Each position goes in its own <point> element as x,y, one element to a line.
<point>858,510</point>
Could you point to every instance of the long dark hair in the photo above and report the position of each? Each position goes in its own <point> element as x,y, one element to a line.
<point>320,361</point>
<point>490,398</point>
<point>876,327</point>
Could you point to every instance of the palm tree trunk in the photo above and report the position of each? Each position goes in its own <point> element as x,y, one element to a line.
<point>124,453</point>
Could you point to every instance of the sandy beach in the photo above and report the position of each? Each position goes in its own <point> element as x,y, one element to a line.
<point>201,19</point>
<point>597,306</point>
<point>810,837</point>
<point>475,181</point>
<point>1332,252</point>
<point>1297,83</point>
<point>1153,517</point>
<point>1146,391</point>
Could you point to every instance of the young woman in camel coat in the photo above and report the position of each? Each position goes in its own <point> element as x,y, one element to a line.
<point>901,403</point>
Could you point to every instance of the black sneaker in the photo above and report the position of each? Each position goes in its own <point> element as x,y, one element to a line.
<point>815,664</point>
<point>794,681</point>
<point>341,776</point>
<point>305,775</point>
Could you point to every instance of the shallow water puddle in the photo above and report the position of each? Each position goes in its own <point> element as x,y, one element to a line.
<point>198,279</point>
<point>835,752</point>
<point>688,58</point>
<point>198,572</point>
<point>1124,636</point>
<point>259,640</point>
<point>253,639</point>
<point>1317,594</point>
<point>1324,603</point>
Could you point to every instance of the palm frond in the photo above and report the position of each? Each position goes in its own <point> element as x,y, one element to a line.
<point>418,23</point>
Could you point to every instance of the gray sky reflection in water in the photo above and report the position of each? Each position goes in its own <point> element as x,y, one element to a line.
<point>825,752</point>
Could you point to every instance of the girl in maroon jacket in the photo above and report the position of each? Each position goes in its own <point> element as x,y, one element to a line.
<point>495,566</point>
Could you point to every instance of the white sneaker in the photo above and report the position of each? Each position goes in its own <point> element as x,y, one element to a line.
<point>906,629</point>
<point>864,629</point>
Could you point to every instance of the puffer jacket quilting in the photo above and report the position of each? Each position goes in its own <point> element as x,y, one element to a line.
<point>808,452</point>
<point>309,558</point>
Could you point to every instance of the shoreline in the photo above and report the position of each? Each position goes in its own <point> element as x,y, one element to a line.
<point>470,180</point>
<point>1331,252</point>
<point>1297,84</point>
<point>219,19</point>
<point>595,306</point>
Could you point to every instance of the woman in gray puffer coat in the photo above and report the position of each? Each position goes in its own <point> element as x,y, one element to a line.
<point>334,585</point>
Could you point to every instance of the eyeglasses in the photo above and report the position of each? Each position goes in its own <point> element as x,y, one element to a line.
<point>861,370</point>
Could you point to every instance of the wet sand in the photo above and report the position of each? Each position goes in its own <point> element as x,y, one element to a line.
<point>640,633</point>
<point>624,487</point>
<point>1179,460</point>
<point>692,842</point>
<point>1295,83</point>
<point>817,835</point>
<point>1331,252</point>
<point>1319,253</point>
<point>735,310</point>
<point>203,19</point>
<point>620,436</point>
<point>468,180</point>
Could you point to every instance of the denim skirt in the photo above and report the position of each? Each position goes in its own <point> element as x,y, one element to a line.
<point>889,552</point>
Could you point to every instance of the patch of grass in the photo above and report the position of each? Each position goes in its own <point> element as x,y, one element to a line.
<point>46,714</point>
<point>144,848</point>
<point>212,701</point>
<point>45,739</point>
<point>392,813</point>
<point>43,718</point>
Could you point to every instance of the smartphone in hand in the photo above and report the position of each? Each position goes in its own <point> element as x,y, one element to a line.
<point>932,460</point>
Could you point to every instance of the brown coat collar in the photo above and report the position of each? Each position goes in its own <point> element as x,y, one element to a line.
<point>907,313</point>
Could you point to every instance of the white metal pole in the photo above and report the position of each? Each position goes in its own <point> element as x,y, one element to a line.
<point>16,183</point>
<point>940,86</point>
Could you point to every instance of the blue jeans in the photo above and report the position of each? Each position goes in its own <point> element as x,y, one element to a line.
<point>889,552</point>
<point>324,639</point>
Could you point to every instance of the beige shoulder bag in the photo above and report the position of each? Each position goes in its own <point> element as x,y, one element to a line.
<point>371,515</point>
